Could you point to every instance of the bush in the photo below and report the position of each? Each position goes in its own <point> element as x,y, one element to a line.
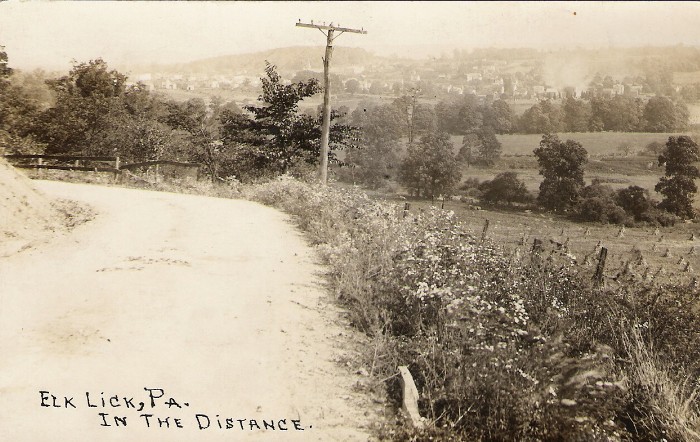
<point>657,217</point>
<point>470,183</point>
<point>602,210</point>
<point>634,200</point>
<point>505,188</point>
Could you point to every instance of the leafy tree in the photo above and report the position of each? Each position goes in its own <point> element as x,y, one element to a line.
<point>678,186</point>
<point>504,188</point>
<point>459,115</point>
<point>577,115</point>
<point>18,111</point>
<point>378,123</point>
<point>200,126</point>
<point>654,148</point>
<point>373,164</point>
<point>418,119</point>
<point>5,69</point>
<point>635,201</point>
<point>660,115</point>
<point>470,146</point>
<point>375,160</point>
<point>88,101</point>
<point>429,168</point>
<point>352,86</point>
<point>562,166</point>
<point>499,116</point>
<point>543,117</point>
<point>489,148</point>
<point>277,135</point>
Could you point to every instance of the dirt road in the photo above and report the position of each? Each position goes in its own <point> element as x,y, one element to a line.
<point>215,305</point>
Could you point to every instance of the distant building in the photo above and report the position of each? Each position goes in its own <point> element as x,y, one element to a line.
<point>552,93</point>
<point>633,90</point>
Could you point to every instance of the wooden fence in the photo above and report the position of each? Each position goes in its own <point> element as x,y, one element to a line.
<point>65,162</point>
<point>103,164</point>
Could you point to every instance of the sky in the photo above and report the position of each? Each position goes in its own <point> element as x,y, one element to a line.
<point>50,34</point>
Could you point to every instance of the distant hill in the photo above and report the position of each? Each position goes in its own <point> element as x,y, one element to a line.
<point>293,58</point>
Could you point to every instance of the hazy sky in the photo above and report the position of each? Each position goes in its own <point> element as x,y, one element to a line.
<point>51,34</point>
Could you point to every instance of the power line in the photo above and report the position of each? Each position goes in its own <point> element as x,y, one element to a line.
<point>329,32</point>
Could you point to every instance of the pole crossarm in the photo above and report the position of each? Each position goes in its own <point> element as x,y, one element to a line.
<point>331,28</point>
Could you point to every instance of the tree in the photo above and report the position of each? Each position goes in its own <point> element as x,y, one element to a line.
<point>467,153</point>
<point>429,168</point>
<point>678,186</point>
<point>577,115</point>
<point>18,111</point>
<point>375,160</point>
<point>499,116</point>
<point>5,69</point>
<point>504,188</point>
<point>561,164</point>
<point>378,123</point>
<point>543,117</point>
<point>660,115</point>
<point>459,115</point>
<point>418,119</point>
<point>635,201</point>
<point>201,126</point>
<point>352,86</point>
<point>277,134</point>
<point>489,148</point>
<point>88,101</point>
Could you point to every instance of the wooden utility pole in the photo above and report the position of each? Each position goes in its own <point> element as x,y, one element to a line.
<point>328,31</point>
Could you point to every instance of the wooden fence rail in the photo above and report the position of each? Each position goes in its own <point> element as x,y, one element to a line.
<point>60,157</point>
<point>24,161</point>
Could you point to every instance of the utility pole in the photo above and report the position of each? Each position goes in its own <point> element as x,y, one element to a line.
<point>328,31</point>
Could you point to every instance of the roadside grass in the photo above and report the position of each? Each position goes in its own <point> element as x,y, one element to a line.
<point>502,345</point>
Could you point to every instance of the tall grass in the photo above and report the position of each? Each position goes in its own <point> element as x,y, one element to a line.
<point>502,347</point>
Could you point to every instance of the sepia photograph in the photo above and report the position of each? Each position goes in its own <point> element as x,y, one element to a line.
<point>349,221</point>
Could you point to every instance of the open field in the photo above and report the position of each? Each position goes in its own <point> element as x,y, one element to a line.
<point>671,250</point>
<point>596,143</point>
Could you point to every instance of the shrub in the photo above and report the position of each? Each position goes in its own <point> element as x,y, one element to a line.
<point>635,201</point>
<point>470,183</point>
<point>602,210</point>
<point>505,188</point>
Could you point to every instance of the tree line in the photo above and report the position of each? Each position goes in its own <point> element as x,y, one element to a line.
<point>92,111</point>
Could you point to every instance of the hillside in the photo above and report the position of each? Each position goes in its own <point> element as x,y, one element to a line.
<point>289,58</point>
<point>25,214</point>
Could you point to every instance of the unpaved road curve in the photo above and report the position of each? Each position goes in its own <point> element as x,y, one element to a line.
<point>217,302</point>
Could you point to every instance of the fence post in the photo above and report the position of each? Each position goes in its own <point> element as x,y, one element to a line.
<point>410,397</point>
<point>598,276</point>
<point>117,172</point>
<point>486,229</point>
<point>406,207</point>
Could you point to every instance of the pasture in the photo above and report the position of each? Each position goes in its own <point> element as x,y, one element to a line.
<point>596,143</point>
<point>669,254</point>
